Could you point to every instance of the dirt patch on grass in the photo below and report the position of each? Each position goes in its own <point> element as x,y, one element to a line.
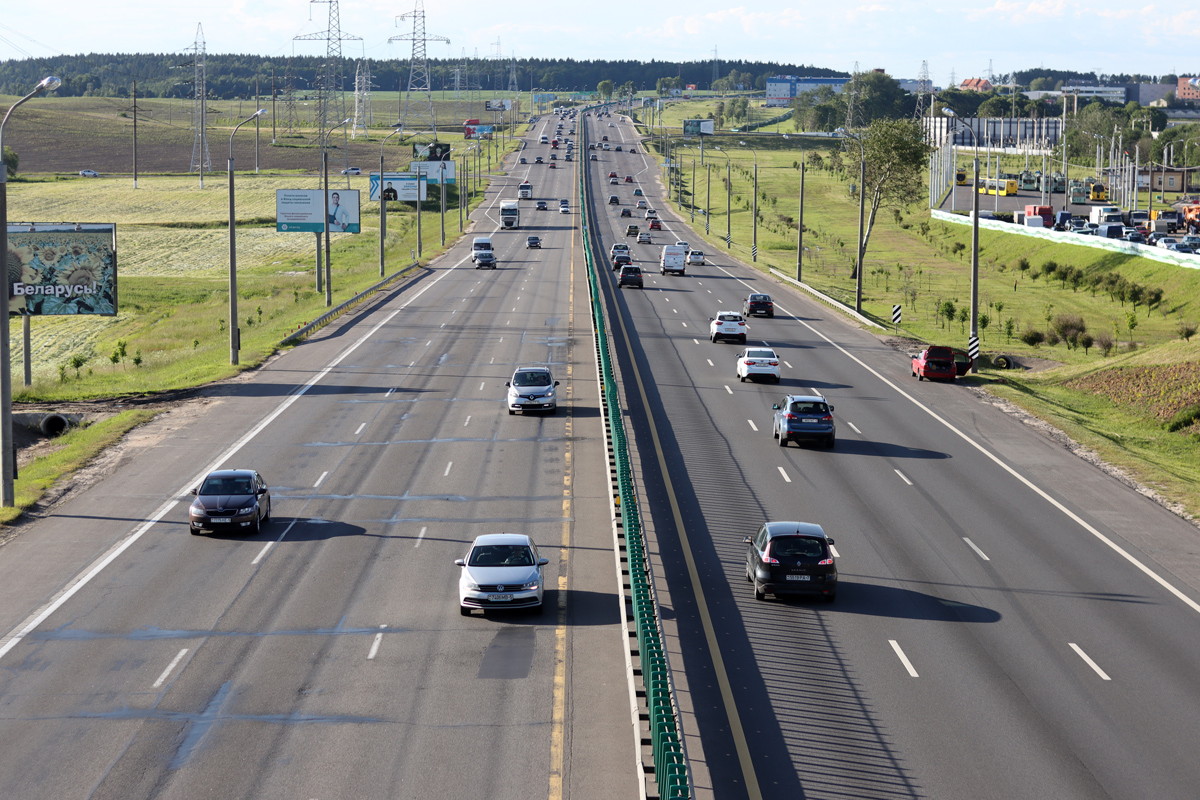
<point>1161,391</point>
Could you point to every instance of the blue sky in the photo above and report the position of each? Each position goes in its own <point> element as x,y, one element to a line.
<point>1111,36</point>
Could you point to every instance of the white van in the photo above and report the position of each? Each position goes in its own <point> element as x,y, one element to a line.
<point>544,139</point>
<point>480,244</point>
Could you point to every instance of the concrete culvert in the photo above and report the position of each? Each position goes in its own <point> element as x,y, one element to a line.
<point>54,425</point>
<point>1002,362</point>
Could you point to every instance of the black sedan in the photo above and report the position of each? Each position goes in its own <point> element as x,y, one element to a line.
<point>230,500</point>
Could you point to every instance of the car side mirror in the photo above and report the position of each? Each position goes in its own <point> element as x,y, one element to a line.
<point>508,383</point>
<point>831,409</point>
<point>775,407</point>
<point>543,562</point>
<point>262,490</point>
<point>196,491</point>
<point>556,383</point>
<point>747,540</point>
<point>460,562</point>
<point>828,540</point>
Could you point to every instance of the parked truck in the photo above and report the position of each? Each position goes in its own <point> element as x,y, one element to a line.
<point>1046,213</point>
<point>1101,214</point>
<point>1191,216</point>
<point>510,214</point>
<point>1167,220</point>
<point>673,259</point>
<point>1111,230</point>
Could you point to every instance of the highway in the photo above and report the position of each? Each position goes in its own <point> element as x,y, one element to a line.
<point>1011,621</point>
<point>325,657</point>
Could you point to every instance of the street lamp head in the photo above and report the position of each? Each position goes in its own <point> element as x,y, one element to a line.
<point>948,111</point>
<point>49,84</point>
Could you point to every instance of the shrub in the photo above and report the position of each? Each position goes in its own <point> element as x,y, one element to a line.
<point>1068,326</point>
<point>1186,330</point>
<point>1105,343</point>
<point>1033,337</point>
<point>1086,341</point>
<point>1052,338</point>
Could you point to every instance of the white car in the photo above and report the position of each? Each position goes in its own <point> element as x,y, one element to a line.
<point>642,204</point>
<point>532,389</point>
<point>352,171</point>
<point>501,570</point>
<point>644,238</point>
<point>619,247</point>
<point>564,209</point>
<point>755,361</point>
<point>88,173</point>
<point>695,258</point>
<point>651,213</point>
<point>727,325</point>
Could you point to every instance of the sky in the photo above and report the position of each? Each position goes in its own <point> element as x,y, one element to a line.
<point>962,40</point>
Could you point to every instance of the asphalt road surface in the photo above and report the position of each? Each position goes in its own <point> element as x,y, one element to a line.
<point>1011,621</point>
<point>325,657</point>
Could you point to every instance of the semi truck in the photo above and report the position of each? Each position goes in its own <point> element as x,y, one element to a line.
<point>510,214</point>
<point>1101,214</point>
<point>1166,220</point>
<point>525,191</point>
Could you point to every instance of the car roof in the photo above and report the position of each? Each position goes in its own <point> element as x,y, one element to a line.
<point>501,538</point>
<point>812,529</point>
<point>532,368</point>
<point>806,398</point>
<point>231,473</point>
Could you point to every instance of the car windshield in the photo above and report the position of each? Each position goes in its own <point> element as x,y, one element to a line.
<point>760,353</point>
<point>226,485</point>
<point>796,547</point>
<point>501,555</point>
<point>729,317</point>
<point>801,407</point>
<point>531,379</point>
<point>759,298</point>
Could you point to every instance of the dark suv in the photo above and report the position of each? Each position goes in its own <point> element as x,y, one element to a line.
<point>758,304</point>
<point>803,416</point>
<point>791,558</point>
<point>621,259</point>
<point>630,276</point>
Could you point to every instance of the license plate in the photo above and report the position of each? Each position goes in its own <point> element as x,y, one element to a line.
<point>221,520</point>
<point>501,598</point>
<point>809,420</point>
<point>799,577</point>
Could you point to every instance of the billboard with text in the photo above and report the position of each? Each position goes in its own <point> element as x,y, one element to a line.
<point>303,210</point>
<point>62,268</point>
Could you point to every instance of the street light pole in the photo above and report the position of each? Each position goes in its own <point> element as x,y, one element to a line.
<point>398,127</point>
<point>8,453</point>
<point>325,200</point>
<point>754,206</point>
<point>235,339</point>
<point>800,229</point>
<point>974,238</point>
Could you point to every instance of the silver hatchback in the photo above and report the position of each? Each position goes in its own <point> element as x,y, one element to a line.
<point>532,389</point>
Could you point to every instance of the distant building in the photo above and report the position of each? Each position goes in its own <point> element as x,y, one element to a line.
<point>782,88</point>
<point>976,85</point>
<point>1110,94</point>
<point>1186,90</point>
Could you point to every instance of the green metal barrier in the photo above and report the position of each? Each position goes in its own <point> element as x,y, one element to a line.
<point>670,764</point>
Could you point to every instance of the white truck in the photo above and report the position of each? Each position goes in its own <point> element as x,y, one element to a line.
<point>510,214</point>
<point>1102,214</point>
<point>673,259</point>
<point>525,190</point>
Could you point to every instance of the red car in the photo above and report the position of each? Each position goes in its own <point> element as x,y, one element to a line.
<point>655,225</point>
<point>934,362</point>
<point>612,174</point>
<point>629,179</point>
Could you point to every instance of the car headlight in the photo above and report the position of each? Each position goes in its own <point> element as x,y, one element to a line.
<point>549,393</point>
<point>471,586</point>
<point>241,512</point>
<point>531,586</point>
<point>197,508</point>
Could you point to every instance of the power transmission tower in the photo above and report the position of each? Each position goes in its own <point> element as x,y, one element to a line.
<point>415,118</point>
<point>331,100</point>
<point>512,77</point>
<point>716,68</point>
<point>290,121</point>
<point>201,160</point>
<point>924,92</point>
<point>362,98</point>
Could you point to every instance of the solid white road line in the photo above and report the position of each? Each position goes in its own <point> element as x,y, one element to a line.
<point>784,474</point>
<point>903,477</point>
<point>978,552</point>
<point>267,547</point>
<point>174,663</point>
<point>903,658</point>
<point>1079,651</point>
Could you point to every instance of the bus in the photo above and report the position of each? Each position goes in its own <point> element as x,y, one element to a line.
<point>1029,181</point>
<point>960,177</point>
<point>1097,192</point>
<point>1000,186</point>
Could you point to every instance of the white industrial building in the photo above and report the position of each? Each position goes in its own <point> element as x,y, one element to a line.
<point>782,88</point>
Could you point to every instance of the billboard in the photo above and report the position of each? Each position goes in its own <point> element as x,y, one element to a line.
<point>433,151</point>
<point>497,105</point>
<point>303,210</point>
<point>478,131</point>
<point>434,171</point>
<point>698,127</point>
<point>401,186</point>
<point>65,268</point>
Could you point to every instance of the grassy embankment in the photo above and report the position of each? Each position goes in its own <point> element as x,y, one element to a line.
<point>1116,403</point>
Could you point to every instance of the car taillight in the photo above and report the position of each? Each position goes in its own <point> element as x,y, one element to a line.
<point>766,559</point>
<point>826,418</point>
<point>790,415</point>
<point>748,363</point>
<point>741,322</point>
<point>825,562</point>
<point>773,363</point>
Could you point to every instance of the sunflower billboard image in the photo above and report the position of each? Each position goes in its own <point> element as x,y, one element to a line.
<point>62,269</point>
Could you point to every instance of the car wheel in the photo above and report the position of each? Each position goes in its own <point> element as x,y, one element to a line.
<point>920,377</point>
<point>782,440</point>
<point>829,442</point>
<point>267,516</point>
<point>749,577</point>
<point>742,338</point>
<point>774,432</point>
<point>741,378</point>
<point>759,594</point>
<point>777,378</point>
<point>511,412</point>
<point>464,611</point>
<point>257,526</point>
<point>195,531</point>
<point>771,315</point>
<point>712,338</point>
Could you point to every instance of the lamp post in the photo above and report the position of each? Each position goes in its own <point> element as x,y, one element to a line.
<point>235,339</point>
<point>397,128</point>
<point>754,205</point>
<point>862,196</point>
<point>728,200</point>
<point>800,227</point>
<point>8,454</point>
<point>325,201</point>
<point>974,239</point>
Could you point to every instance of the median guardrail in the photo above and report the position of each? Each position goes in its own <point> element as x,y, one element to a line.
<point>671,774</point>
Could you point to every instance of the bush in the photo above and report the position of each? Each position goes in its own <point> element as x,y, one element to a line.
<point>1069,326</point>
<point>1032,337</point>
<point>1186,330</point>
<point>1052,338</point>
<point>1086,341</point>
<point>1105,343</point>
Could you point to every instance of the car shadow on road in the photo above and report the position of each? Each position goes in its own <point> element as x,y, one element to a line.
<point>877,600</point>
<point>868,447</point>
